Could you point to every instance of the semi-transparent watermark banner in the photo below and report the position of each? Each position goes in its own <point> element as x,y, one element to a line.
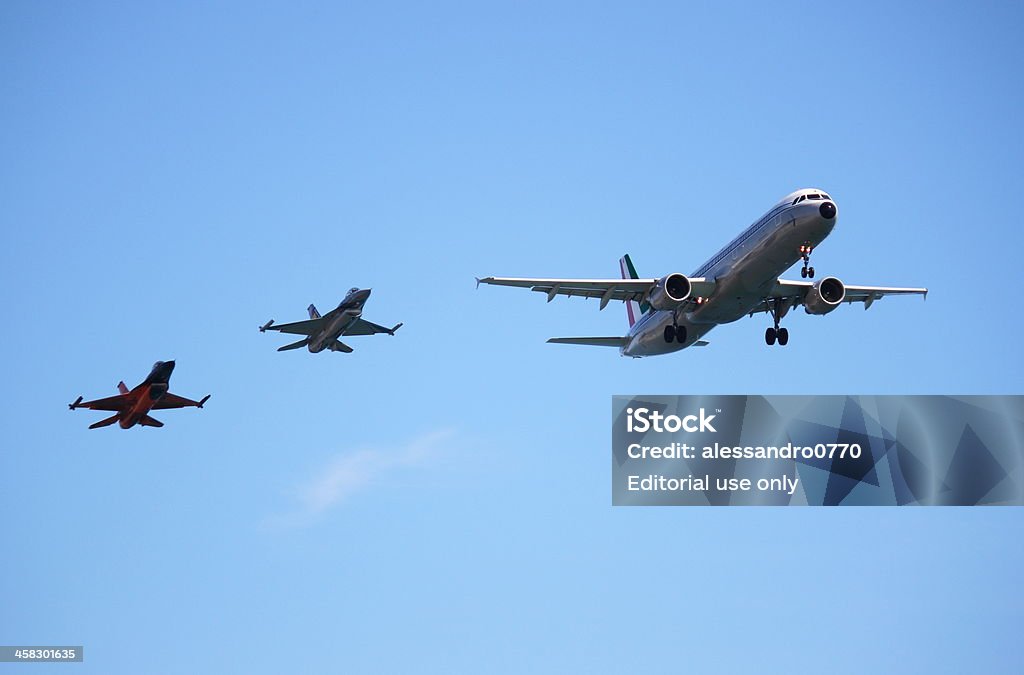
<point>817,450</point>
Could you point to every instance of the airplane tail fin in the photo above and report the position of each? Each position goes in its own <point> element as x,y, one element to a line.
<point>106,422</point>
<point>634,310</point>
<point>313,314</point>
<point>148,421</point>
<point>121,387</point>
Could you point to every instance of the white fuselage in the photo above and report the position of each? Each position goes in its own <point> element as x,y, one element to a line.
<point>744,271</point>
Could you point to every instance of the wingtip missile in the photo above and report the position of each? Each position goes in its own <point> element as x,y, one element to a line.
<point>397,326</point>
<point>203,400</point>
<point>72,406</point>
<point>264,327</point>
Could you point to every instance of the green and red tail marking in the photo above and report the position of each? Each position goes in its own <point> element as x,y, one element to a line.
<point>634,309</point>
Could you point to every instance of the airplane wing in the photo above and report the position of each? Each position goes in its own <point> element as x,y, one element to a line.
<point>796,291</point>
<point>113,403</point>
<point>308,327</point>
<point>170,400</point>
<point>362,327</point>
<point>605,289</point>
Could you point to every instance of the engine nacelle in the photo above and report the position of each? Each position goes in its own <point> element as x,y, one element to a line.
<point>824,296</point>
<point>669,292</point>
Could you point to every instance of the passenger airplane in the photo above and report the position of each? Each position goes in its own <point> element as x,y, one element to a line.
<point>676,311</point>
<point>133,407</point>
<point>322,332</point>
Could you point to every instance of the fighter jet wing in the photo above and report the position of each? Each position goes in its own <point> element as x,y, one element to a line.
<point>113,403</point>
<point>362,327</point>
<point>170,400</point>
<point>309,327</point>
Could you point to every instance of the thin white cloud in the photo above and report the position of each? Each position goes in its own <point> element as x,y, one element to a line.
<point>350,472</point>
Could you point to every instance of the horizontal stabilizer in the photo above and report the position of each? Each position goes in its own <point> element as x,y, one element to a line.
<point>295,345</point>
<point>105,423</point>
<point>339,346</point>
<point>148,421</point>
<point>591,341</point>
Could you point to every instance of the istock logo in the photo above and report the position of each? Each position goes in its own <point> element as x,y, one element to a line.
<point>642,419</point>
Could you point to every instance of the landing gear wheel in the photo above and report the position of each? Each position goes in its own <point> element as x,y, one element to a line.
<point>769,336</point>
<point>783,335</point>
<point>803,272</point>
<point>670,333</point>
<point>680,334</point>
<point>810,272</point>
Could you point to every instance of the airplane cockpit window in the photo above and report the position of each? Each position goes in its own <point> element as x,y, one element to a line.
<point>353,290</point>
<point>157,364</point>
<point>814,196</point>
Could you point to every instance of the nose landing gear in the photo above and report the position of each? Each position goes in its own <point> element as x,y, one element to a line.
<point>805,253</point>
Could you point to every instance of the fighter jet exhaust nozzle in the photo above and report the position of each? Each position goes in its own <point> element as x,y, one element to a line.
<point>669,292</point>
<point>824,296</point>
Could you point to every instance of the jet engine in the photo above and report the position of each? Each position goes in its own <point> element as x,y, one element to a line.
<point>824,296</point>
<point>669,292</point>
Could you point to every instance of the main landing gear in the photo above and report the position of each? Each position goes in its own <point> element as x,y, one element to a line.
<point>805,253</point>
<point>775,333</point>
<point>675,333</point>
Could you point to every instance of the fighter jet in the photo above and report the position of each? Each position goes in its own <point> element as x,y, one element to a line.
<point>322,332</point>
<point>132,407</point>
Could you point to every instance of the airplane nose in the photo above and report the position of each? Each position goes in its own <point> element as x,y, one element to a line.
<point>169,364</point>
<point>827,210</point>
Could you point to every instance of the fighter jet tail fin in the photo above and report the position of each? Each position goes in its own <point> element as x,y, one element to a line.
<point>148,421</point>
<point>121,387</point>
<point>313,314</point>
<point>106,422</point>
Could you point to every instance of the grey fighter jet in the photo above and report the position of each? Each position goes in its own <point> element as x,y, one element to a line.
<point>322,332</point>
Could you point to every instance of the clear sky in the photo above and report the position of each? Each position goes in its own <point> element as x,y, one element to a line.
<point>176,174</point>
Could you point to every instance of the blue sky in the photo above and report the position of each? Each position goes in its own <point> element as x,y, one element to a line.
<point>175,175</point>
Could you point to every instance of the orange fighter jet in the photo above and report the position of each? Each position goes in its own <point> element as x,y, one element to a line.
<point>132,407</point>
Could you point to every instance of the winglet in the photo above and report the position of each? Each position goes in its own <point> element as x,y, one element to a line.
<point>397,326</point>
<point>72,406</point>
<point>203,400</point>
<point>264,327</point>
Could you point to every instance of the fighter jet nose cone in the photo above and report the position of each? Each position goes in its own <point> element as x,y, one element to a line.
<point>169,364</point>
<point>827,210</point>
